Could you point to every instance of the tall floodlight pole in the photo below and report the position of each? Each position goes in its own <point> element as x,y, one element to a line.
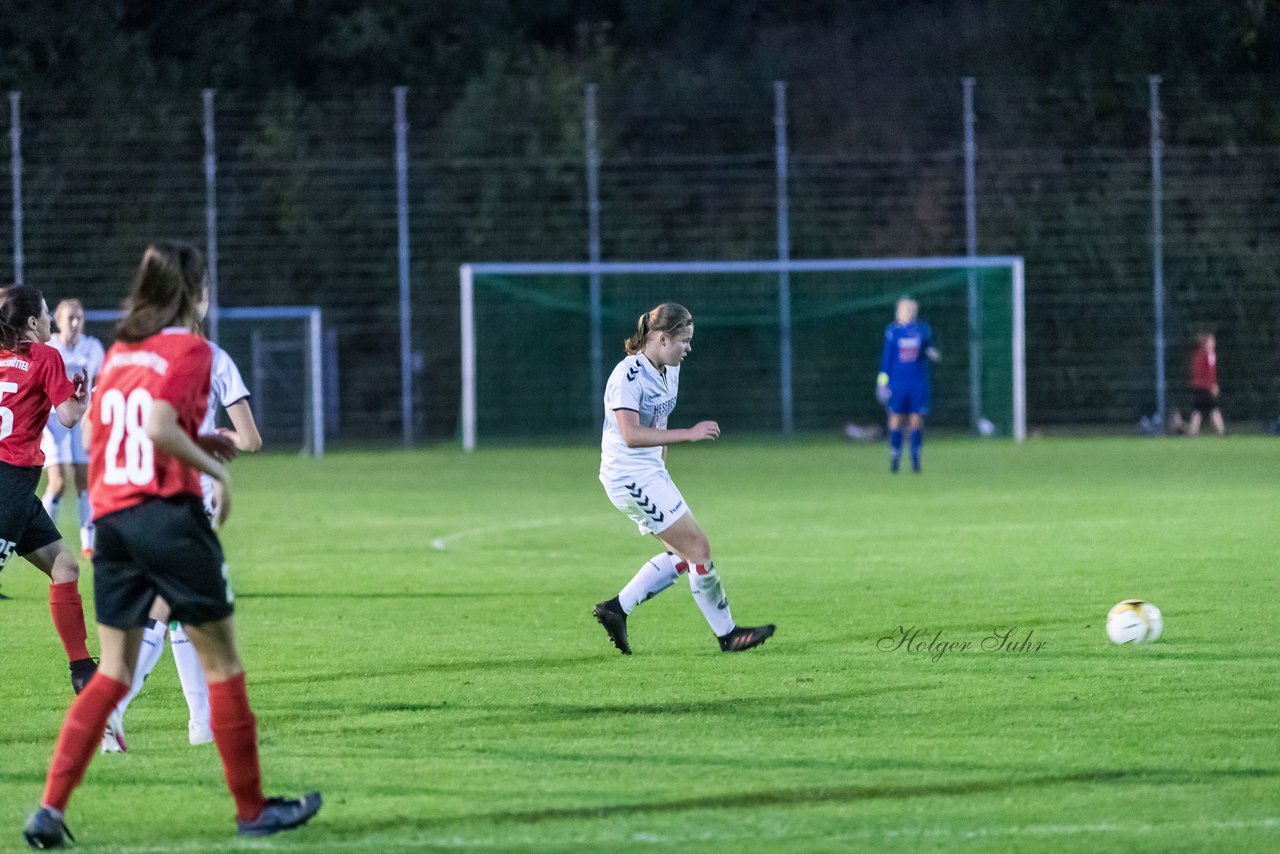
<point>15,168</point>
<point>971,249</point>
<point>211,212</point>
<point>784,254</point>
<point>591,132</point>
<point>1157,243</point>
<point>402,246</point>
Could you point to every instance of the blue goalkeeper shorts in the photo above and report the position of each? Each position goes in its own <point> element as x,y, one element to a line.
<point>909,399</point>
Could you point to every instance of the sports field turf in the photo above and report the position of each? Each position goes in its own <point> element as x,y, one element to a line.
<point>418,638</point>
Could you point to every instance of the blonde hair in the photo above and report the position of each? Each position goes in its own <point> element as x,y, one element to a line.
<point>669,318</point>
<point>68,304</point>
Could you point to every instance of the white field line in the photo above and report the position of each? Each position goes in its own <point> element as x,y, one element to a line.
<point>442,543</point>
<point>891,835</point>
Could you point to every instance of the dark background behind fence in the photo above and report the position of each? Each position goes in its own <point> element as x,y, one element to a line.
<point>306,205</point>
<point>306,214</point>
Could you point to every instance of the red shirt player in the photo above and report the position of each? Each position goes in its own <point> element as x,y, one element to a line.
<point>33,381</point>
<point>1204,385</point>
<point>153,538</point>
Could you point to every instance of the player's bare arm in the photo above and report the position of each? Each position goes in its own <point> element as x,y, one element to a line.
<point>637,436</point>
<point>218,445</point>
<point>244,432</point>
<point>71,410</point>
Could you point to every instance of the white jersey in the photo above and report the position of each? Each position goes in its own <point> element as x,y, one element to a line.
<point>637,385</point>
<point>226,387</point>
<point>63,445</point>
<point>85,355</point>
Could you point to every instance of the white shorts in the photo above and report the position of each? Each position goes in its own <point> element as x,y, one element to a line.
<point>650,499</point>
<point>62,444</point>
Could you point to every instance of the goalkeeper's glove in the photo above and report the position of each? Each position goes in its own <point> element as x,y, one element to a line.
<point>883,392</point>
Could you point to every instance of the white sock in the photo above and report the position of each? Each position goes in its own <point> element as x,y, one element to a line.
<point>50,503</point>
<point>149,652</point>
<point>191,674</point>
<point>86,520</point>
<point>709,595</point>
<point>658,573</point>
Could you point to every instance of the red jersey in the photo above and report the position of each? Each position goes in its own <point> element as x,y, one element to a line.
<point>125,468</point>
<point>31,383</point>
<point>1204,369</point>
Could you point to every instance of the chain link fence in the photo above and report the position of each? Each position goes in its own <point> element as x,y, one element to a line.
<point>305,206</point>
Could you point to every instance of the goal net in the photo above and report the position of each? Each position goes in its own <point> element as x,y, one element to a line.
<point>279,354</point>
<point>780,346</point>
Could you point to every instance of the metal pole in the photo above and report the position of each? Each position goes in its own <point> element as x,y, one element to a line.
<point>1019,352</point>
<point>211,212</point>
<point>315,364</point>
<point>257,366</point>
<point>591,130</point>
<point>402,239</point>
<point>1157,244</point>
<point>784,255</point>
<point>468,329</point>
<point>971,248</point>
<point>15,162</point>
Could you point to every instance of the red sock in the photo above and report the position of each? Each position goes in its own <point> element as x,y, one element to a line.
<point>68,618</point>
<point>235,732</point>
<point>79,738</point>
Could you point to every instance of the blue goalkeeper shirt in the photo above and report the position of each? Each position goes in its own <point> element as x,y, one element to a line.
<point>904,357</point>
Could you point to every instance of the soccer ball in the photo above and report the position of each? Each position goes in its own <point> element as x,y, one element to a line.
<point>1134,621</point>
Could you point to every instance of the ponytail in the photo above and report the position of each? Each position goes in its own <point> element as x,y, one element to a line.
<point>18,303</point>
<point>166,291</point>
<point>669,317</point>
<point>635,343</point>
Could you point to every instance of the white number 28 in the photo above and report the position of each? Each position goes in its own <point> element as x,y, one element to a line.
<point>128,421</point>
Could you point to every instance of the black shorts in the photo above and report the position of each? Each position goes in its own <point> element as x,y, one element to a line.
<point>24,526</point>
<point>1203,400</point>
<point>162,546</point>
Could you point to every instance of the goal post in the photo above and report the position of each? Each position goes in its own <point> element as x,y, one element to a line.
<point>539,319</point>
<point>278,350</point>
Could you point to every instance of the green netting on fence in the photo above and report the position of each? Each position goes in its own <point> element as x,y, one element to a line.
<point>534,375</point>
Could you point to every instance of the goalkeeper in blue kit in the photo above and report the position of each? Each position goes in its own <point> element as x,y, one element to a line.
<point>903,383</point>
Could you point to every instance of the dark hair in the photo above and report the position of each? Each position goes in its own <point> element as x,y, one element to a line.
<point>18,303</point>
<point>165,292</point>
<point>669,317</point>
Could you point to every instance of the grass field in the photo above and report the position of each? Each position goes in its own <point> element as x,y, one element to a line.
<point>417,633</point>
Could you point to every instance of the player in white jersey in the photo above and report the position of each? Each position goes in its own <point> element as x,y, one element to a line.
<point>228,390</point>
<point>64,447</point>
<point>638,399</point>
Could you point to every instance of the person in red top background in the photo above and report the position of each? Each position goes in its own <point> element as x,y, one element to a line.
<point>153,538</point>
<point>1204,385</point>
<point>33,380</point>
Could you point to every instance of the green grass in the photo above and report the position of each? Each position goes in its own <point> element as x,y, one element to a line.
<point>463,698</point>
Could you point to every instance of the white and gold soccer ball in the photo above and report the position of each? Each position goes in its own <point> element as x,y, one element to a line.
<point>1134,621</point>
